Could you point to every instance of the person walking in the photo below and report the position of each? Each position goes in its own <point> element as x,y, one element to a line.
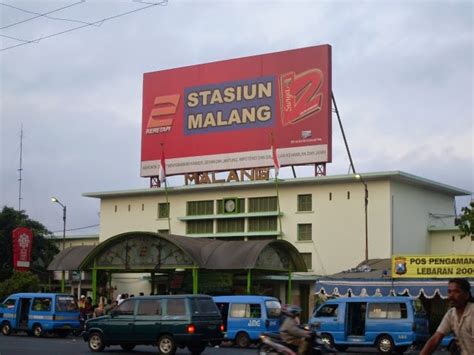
<point>459,319</point>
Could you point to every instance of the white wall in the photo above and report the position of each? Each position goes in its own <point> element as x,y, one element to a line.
<point>412,206</point>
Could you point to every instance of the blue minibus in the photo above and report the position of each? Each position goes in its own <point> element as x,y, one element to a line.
<point>39,313</point>
<point>388,323</point>
<point>245,317</point>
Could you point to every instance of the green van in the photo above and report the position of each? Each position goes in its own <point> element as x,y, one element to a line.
<point>168,322</point>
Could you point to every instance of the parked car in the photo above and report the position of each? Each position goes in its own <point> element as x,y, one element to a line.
<point>39,313</point>
<point>169,322</point>
<point>388,323</point>
<point>245,317</point>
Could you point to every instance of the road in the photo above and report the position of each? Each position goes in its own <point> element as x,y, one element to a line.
<point>25,345</point>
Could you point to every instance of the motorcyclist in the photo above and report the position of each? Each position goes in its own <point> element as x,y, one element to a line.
<point>290,330</point>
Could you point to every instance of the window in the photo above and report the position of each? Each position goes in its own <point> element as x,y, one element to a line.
<point>305,231</point>
<point>66,304</point>
<point>175,307</point>
<point>261,224</point>
<point>388,310</point>
<point>204,305</point>
<point>9,303</point>
<point>200,227</point>
<point>129,208</point>
<point>329,310</point>
<point>149,307</point>
<point>330,196</point>
<point>308,260</point>
<point>305,203</point>
<point>230,225</point>
<point>163,210</point>
<point>245,310</point>
<point>273,309</point>
<point>263,204</point>
<point>125,308</point>
<point>42,304</point>
<point>115,208</point>
<point>348,195</point>
<point>196,208</point>
<point>163,231</point>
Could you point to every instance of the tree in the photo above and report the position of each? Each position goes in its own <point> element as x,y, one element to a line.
<point>19,282</point>
<point>466,221</point>
<point>43,250</point>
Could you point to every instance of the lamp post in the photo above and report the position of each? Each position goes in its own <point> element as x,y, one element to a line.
<point>54,199</point>
<point>366,204</point>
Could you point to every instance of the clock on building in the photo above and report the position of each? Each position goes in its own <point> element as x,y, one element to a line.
<point>230,205</point>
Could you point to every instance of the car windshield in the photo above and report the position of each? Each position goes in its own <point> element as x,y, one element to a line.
<point>66,304</point>
<point>273,309</point>
<point>204,305</point>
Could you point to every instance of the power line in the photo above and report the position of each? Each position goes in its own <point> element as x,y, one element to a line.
<point>76,229</point>
<point>98,23</point>
<point>38,15</point>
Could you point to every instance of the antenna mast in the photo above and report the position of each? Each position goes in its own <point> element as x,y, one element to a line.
<point>20,169</point>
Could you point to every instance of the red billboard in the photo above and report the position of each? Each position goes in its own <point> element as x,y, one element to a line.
<point>22,244</point>
<point>222,115</point>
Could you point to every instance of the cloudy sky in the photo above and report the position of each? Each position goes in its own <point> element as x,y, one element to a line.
<point>402,79</point>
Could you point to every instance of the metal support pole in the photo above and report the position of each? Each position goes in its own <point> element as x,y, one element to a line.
<point>63,280</point>
<point>94,285</point>
<point>195,280</point>
<point>366,205</point>
<point>249,281</point>
<point>290,292</point>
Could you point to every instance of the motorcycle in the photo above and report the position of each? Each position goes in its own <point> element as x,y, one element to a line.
<point>272,344</point>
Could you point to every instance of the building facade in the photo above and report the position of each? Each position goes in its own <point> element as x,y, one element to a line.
<point>324,217</point>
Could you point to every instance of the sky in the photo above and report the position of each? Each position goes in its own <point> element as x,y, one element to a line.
<point>402,77</point>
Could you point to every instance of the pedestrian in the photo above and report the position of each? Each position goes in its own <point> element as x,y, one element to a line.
<point>459,319</point>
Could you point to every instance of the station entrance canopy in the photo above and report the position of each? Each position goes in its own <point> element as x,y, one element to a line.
<point>148,252</point>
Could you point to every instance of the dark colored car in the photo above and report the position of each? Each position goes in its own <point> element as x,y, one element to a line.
<point>168,322</point>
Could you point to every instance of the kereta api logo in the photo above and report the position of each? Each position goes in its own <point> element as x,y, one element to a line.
<point>161,120</point>
<point>300,95</point>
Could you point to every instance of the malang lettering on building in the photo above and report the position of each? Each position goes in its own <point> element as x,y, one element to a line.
<point>222,116</point>
<point>433,266</point>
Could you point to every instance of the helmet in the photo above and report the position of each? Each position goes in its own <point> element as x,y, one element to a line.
<point>294,310</point>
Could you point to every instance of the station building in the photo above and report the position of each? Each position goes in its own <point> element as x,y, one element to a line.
<point>323,217</point>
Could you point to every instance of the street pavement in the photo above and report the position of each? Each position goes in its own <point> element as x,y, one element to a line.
<point>25,345</point>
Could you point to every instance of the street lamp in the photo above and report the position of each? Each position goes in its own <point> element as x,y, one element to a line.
<point>63,273</point>
<point>54,199</point>
<point>366,204</point>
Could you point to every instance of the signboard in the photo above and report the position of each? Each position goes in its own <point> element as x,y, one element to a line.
<point>432,266</point>
<point>22,244</point>
<point>226,115</point>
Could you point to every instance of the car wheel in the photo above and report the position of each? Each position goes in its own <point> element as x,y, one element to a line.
<point>96,342</point>
<point>242,340</point>
<point>127,347</point>
<point>385,344</point>
<point>6,328</point>
<point>197,349</point>
<point>37,330</point>
<point>166,345</point>
<point>327,339</point>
